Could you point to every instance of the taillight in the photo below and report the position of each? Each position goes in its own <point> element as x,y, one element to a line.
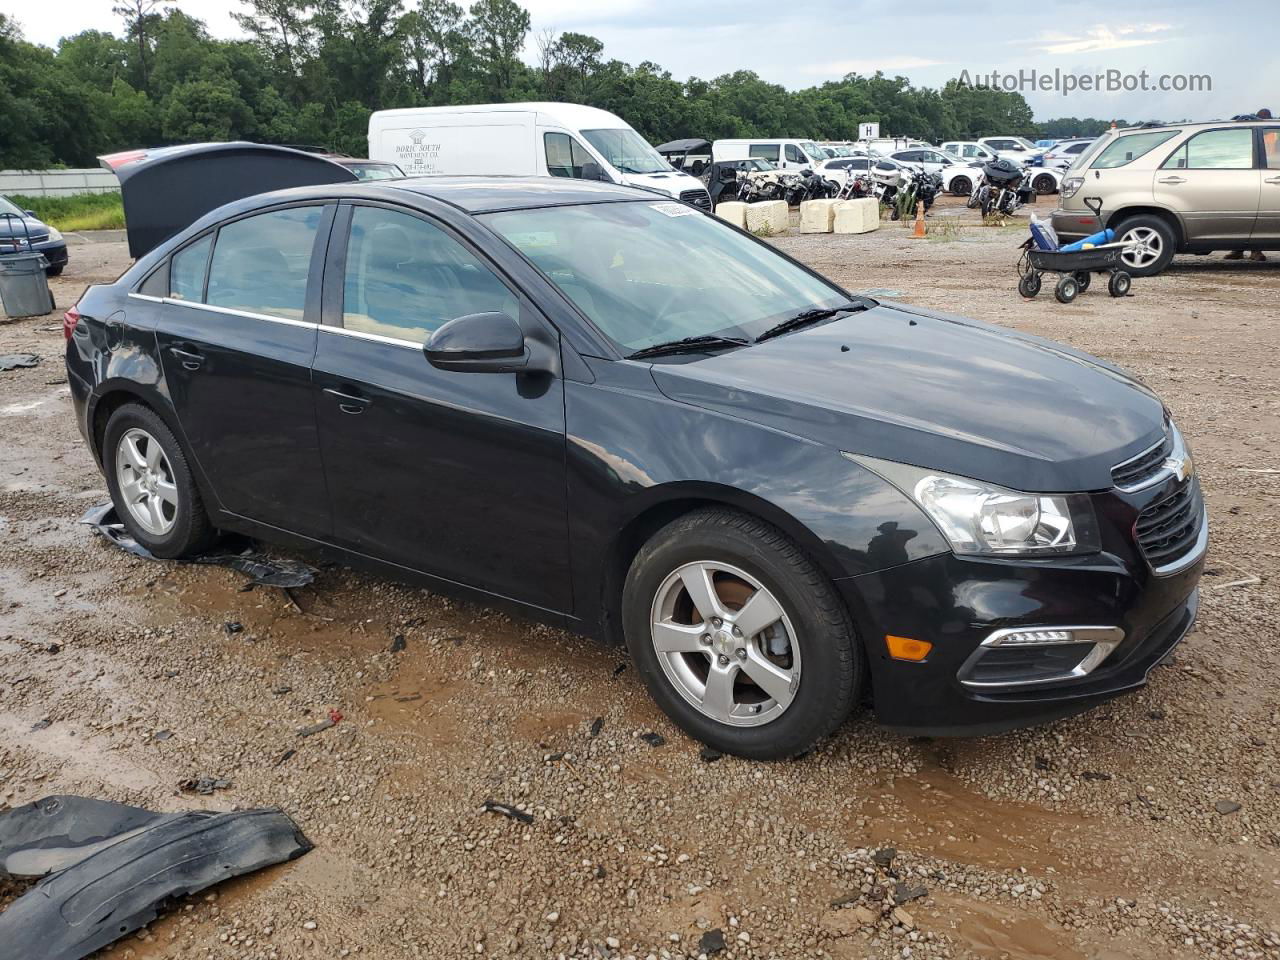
<point>69,321</point>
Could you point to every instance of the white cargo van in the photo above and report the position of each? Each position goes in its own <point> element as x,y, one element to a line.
<point>785,153</point>
<point>526,139</point>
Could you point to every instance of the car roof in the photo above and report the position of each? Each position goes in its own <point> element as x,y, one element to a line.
<point>474,194</point>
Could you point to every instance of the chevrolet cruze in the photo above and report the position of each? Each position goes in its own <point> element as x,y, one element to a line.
<point>616,413</point>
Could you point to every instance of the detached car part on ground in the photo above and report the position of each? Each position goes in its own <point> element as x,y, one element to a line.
<point>525,391</point>
<point>108,869</point>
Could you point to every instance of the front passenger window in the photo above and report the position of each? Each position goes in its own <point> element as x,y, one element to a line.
<point>565,155</point>
<point>793,154</point>
<point>261,263</point>
<point>1215,150</point>
<point>406,277</point>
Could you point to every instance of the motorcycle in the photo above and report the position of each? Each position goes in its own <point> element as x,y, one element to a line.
<point>1004,189</point>
<point>857,184</point>
<point>809,186</point>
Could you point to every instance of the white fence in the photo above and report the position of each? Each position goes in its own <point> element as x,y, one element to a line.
<point>57,183</point>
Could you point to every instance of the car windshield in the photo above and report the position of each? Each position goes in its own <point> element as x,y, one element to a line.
<point>647,273</point>
<point>375,171</point>
<point>7,207</point>
<point>626,151</point>
<point>1025,142</point>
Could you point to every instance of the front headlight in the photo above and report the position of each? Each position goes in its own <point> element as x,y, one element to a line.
<point>55,234</point>
<point>982,518</point>
<point>1070,186</point>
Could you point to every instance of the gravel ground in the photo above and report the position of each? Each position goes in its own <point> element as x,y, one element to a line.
<point>1147,828</point>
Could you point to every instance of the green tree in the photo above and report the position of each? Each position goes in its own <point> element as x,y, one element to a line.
<point>498,29</point>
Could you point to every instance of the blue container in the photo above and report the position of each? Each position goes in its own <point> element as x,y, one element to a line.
<point>1098,239</point>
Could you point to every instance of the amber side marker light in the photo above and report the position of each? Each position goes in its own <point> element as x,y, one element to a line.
<point>907,648</point>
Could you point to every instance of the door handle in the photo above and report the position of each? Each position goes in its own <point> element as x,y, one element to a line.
<point>1173,180</point>
<point>351,403</point>
<point>190,359</point>
<point>1272,180</point>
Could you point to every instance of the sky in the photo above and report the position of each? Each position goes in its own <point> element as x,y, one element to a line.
<point>799,44</point>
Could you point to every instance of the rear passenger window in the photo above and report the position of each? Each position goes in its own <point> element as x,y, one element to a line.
<point>1215,150</point>
<point>261,263</point>
<point>186,270</point>
<point>1128,148</point>
<point>765,151</point>
<point>406,277</point>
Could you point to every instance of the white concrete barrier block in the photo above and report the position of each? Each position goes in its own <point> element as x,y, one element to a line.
<point>768,217</point>
<point>857,216</point>
<point>733,211</point>
<point>817,216</point>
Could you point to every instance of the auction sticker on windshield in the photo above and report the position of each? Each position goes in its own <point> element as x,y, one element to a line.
<point>672,209</point>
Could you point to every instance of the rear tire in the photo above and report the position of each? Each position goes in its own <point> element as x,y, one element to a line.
<point>1156,244</point>
<point>808,627</point>
<point>151,485</point>
<point>961,187</point>
<point>1044,184</point>
<point>1066,289</point>
<point>1029,285</point>
<point>1119,284</point>
<point>1083,279</point>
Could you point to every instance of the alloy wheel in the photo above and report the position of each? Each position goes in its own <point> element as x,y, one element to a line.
<point>1146,247</point>
<point>725,643</point>
<point>146,482</point>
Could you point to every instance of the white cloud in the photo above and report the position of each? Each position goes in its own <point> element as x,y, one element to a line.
<point>1101,38</point>
<point>886,64</point>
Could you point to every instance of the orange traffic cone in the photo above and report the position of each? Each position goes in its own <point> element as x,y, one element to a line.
<point>918,233</point>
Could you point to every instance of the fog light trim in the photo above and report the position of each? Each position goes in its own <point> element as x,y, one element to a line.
<point>1104,640</point>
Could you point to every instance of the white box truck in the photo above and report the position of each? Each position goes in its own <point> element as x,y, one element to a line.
<point>526,139</point>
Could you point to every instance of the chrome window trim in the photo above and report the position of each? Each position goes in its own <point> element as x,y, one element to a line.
<point>1192,556</point>
<point>375,337</point>
<point>1104,639</point>
<point>235,313</point>
<point>145,296</point>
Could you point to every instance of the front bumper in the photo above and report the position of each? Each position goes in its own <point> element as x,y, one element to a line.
<point>55,253</point>
<point>957,602</point>
<point>1072,225</point>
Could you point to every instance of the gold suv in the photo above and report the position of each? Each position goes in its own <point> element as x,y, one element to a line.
<point>1179,188</point>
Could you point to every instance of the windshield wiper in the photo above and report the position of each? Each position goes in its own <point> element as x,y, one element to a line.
<point>688,345</point>
<point>806,317</point>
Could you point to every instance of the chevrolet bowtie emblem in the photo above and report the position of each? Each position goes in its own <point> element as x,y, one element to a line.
<point>1180,467</point>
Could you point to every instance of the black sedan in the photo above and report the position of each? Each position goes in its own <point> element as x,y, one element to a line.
<point>22,231</point>
<point>619,414</point>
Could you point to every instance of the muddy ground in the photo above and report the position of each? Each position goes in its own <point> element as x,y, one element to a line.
<point>1115,834</point>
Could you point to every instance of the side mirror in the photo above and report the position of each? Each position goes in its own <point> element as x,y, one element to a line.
<point>593,171</point>
<point>31,214</point>
<point>478,343</point>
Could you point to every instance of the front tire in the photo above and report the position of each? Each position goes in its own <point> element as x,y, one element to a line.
<point>1044,184</point>
<point>151,484</point>
<point>961,187</point>
<point>741,639</point>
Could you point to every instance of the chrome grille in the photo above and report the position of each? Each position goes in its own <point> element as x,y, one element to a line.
<point>1169,529</point>
<point>699,198</point>
<point>1136,472</point>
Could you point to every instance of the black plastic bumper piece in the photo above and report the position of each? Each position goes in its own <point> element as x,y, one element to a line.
<point>109,869</point>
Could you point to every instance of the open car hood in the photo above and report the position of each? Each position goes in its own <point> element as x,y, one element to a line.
<point>166,189</point>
